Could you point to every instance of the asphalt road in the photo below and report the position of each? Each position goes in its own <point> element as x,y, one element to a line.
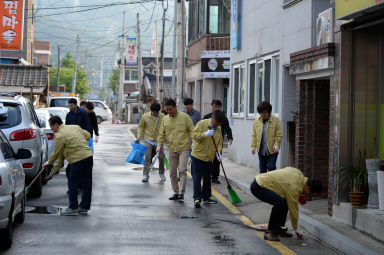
<point>129,217</point>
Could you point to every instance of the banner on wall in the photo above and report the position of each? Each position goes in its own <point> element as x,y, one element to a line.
<point>12,20</point>
<point>131,52</point>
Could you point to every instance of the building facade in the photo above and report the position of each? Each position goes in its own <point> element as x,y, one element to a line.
<point>42,53</point>
<point>208,33</point>
<point>263,34</point>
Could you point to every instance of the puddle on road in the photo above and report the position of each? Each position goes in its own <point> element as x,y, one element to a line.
<point>188,217</point>
<point>223,240</point>
<point>43,209</point>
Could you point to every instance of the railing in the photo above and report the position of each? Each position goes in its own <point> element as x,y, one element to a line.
<point>218,42</point>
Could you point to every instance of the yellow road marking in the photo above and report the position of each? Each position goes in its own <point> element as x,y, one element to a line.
<point>129,131</point>
<point>247,221</point>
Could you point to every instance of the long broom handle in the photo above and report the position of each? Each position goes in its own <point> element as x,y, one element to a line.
<point>221,163</point>
<point>37,176</point>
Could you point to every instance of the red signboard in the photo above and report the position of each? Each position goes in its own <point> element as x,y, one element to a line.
<point>11,27</point>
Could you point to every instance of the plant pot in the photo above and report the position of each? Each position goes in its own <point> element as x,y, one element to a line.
<point>373,165</point>
<point>356,198</point>
<point>380,188</point>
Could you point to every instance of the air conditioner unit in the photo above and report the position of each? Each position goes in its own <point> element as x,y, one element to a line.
<point>324,27</point>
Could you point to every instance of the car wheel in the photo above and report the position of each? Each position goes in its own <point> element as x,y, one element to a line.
<point>6,235</point>
<point>20,217</point>
<point>37,188</point>
<point>99,119</point>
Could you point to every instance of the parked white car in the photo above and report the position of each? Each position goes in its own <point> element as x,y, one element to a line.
<point>102,111</point>
<point>12,189</point>
<point>58,111</point>
<point>44,114</point>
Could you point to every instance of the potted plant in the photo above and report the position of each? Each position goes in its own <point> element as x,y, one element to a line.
<point>357,178</point>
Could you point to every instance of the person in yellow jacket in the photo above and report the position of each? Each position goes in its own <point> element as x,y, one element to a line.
<point>71,143</point>
<point>282,189</point>
<point>149,126</point>
<point>266,137</point>
<point>203,153</point>
<point>175,130</point>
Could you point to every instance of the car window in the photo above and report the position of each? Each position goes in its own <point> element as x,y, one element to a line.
<point>99,105</point>
<point>33,115</point>
<point>61,114</point>
<point>12,117</point>
<point>42,115</point>
<point>59,102</point>
<point>6,148</point>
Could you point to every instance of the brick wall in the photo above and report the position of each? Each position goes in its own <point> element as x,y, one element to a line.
<point>312,130</point>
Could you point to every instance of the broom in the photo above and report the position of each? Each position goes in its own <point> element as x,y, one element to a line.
<point>232,194</point>
<point>33,181</point>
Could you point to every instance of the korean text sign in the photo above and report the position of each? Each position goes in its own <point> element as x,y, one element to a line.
<point>131,51</point>
<point>11,29</point>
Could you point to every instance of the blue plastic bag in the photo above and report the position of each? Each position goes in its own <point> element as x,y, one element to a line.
<point>137,154</point>
<point>90,144</point>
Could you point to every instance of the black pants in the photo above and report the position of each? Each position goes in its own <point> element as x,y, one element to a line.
<point>215,172</point>
<point>68,172</point>
<point>81,173</point>
<point>201,170</point>
<point>279,210</point>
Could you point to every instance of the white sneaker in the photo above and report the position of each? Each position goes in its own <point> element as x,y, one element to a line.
<point>145,178</point>
<point>162,177</point>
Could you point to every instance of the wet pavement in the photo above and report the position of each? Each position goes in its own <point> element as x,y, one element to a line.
<point>129,217</point>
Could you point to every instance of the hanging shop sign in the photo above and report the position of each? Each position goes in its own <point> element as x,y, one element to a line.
<point>131,52</point>
<point>215,64</point>
<point>11,28</point>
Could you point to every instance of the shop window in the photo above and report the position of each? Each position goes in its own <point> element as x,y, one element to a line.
<point>131,75</point>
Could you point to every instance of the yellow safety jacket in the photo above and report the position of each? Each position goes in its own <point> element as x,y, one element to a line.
<point>288,183</point>
<point>149,127</point>
<point>176,132</point>
<point>203,147</point>
<point>71,143</point>
<point>274,133</point>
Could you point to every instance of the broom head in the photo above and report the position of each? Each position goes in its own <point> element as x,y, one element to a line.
<point>26,190</point>
<point>234,197</point>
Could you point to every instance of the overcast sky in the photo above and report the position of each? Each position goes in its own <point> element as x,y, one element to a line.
<point>99,29</point>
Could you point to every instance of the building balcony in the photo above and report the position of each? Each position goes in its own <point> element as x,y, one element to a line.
<point>207,42</point>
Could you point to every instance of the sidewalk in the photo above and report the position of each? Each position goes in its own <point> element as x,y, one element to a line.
<point>313,216</point>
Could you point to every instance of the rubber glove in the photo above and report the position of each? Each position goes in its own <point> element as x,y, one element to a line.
<point>210,132</point>
<point>219,157</point>
<point>275,149</point>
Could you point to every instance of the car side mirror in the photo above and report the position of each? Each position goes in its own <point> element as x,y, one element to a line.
<point>23,154</point>
<point>42,123</point>
<point>105,108</point>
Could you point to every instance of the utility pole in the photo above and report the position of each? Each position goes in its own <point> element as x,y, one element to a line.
<point>180,33</point>
<point>120,94</point>
<point>58,69</point>
<point>162,55</point>
<point>140,74</point>
<point>157,66</point>
<point>74,70</point>
<point>174,51</point>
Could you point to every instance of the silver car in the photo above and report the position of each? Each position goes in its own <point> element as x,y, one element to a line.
<point>12,190</point>
<point>20,124</point>
<point>58,111</point>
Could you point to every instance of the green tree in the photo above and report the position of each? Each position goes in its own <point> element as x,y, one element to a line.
<point>66,75</point>
<point>114,79</point>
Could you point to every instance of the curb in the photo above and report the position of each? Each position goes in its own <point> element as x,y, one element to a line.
<point>321,231</point>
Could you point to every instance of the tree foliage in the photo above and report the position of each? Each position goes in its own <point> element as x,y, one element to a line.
<point>114,79</point>
<point>66,75</point>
